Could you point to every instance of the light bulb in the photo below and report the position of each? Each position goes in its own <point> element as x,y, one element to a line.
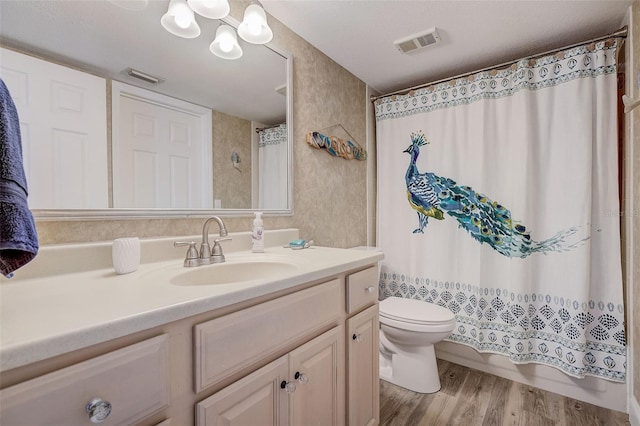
<point>254,26</point>
<point>182,21</point>
<point>182,15</point>
<point>179,20</point>
<point>226,44</point>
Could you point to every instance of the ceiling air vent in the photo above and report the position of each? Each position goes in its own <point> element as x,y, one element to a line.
<point>417,41</point>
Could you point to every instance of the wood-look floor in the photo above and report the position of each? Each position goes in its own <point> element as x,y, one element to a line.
<point>470,397</point>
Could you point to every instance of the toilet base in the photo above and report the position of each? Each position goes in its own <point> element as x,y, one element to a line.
<point>417,371</point>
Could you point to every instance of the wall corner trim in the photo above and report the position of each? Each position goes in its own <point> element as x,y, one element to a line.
<point>634,411</point>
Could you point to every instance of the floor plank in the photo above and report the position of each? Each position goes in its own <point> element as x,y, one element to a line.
<point>472,398</point>
<point>495,412</point>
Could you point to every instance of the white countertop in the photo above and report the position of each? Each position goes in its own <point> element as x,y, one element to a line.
<point>48,315</point>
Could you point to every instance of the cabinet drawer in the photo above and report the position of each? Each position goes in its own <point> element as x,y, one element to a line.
<point>226,345</point>
<point>362,289</point>
<point>134,380</point>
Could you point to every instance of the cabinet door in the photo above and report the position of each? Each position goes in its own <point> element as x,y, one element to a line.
<point>319,396</point>
<point>363,368</point>
<point>257,399</point>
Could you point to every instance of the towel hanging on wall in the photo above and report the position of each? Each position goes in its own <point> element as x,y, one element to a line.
<point>18,236</point>
<point>337,146</point>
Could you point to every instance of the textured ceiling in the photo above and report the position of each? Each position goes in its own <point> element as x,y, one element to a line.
<point>359,35</point>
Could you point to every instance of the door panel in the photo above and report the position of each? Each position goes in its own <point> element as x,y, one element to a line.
<point>363,386</point>
<point>254,400</point>
<point>161,151</point>
<point>63,124</point>
<point>320,401</point>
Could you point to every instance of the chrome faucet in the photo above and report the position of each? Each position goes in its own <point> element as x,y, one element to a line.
<point>207,254</point>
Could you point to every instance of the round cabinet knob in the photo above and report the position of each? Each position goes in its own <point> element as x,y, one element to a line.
<point>301,377</point>
<point>98,410</point>
<point>288,386</point>
<point>357,338</point>
<point>368,289</point>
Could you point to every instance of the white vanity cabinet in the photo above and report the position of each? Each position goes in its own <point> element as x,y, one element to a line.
<point>231,343</point>
<point>300,355</point>
<point>307,385</point>
<point>303,387</point>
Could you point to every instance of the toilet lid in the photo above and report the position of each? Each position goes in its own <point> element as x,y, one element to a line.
<point>414,311</point>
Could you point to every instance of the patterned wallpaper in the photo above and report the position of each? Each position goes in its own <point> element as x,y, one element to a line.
<point>230,185</point>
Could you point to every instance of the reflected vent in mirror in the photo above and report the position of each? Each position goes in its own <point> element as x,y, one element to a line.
<point>147,78</point>
<point>417,41</point>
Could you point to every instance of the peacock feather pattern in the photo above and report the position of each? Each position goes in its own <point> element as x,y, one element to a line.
<point>485,220</point>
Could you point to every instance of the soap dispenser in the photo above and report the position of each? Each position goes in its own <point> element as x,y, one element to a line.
<point>257,237</point>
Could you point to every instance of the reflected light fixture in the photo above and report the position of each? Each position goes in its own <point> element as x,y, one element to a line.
<point>180,21</point>
<point>254,28</point>
<point>226,44</point>
<point>212,9</point>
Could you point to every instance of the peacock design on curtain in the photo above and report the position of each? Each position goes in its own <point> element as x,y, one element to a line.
<point>548,130</point>
<point>485,220</point>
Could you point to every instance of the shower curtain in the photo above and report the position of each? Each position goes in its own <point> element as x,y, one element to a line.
<point>498,199</point>
<point>273,168</point>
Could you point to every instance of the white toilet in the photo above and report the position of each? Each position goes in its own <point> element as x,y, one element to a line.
<point>408,330</point>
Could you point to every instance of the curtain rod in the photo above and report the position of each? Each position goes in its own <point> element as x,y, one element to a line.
<point>621,33</point>
<point>259,129</point>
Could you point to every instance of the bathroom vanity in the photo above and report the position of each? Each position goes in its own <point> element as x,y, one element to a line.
<point>295,345</point>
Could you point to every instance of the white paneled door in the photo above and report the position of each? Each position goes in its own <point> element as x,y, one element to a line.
<point>63,122</point>
<point>161,151</point>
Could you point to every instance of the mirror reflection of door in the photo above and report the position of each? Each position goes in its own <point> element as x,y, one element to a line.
<point>161,151</point>
<point>63,124</point>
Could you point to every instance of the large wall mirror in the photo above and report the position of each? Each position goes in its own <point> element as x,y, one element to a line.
<point>238,110</point>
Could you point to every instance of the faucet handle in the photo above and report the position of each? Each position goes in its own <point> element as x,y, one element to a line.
<point>216,250</point>
<point>191,258</point>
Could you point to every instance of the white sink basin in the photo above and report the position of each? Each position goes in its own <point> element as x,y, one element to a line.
<point>233,272</point>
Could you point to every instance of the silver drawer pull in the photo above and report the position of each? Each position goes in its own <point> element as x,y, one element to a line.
<point>357,338</point>
<point>368,289</point>
<point>98,410</point>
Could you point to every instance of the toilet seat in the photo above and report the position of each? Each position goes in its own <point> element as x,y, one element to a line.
<point>415,315</point>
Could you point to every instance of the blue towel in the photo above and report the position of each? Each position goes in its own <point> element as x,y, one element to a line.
<point>18,236</point>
